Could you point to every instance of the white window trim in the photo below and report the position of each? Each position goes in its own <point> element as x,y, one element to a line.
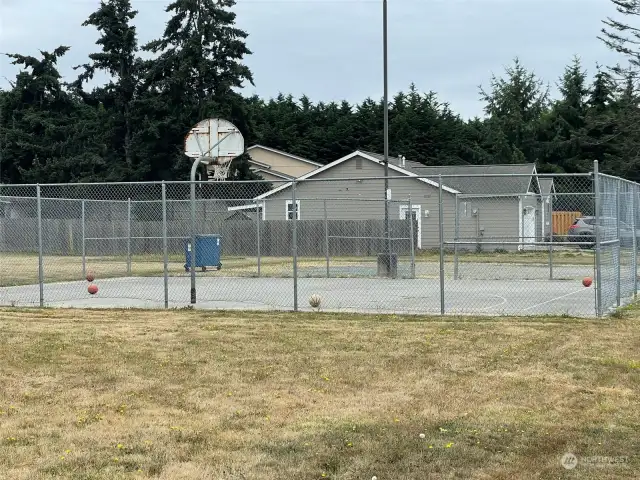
<point>286,209</point>
<point>464,209</point>
<point>405,208</point>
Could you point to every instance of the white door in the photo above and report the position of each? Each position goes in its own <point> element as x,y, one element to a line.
<point>415,213</point>
<point>529,227</point>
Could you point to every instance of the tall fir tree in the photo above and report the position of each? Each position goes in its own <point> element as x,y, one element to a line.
<point>119,60</point>
<point>514,106</point>
<point>625,109</point>
<point>43,127</point>
<point>622,35</point>
<point>563,128</point>
<point>196,74</point>
<point>601,122</point>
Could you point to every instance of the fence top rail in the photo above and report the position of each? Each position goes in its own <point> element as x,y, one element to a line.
<point>299,180</point>
<point>435,177</point>
<point>620,179</point>
<point>6,199</point>
<point>512,195</point>
<point>202,200</point>
<point>101,200</point>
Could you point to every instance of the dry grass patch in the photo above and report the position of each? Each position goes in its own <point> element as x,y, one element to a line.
<point>22,269</point>
<point>192,394</point>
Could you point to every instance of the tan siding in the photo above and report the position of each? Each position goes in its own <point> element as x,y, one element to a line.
<point>282,163</point>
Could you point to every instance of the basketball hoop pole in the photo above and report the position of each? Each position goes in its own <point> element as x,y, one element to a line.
<point>194,169</point>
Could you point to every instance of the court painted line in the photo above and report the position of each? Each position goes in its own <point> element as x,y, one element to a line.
<point>552,300</point>
<point>503,302</point>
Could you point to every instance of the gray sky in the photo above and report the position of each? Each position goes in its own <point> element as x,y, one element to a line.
<point>332,49</point>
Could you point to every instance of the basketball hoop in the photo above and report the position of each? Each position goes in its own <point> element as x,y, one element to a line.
<point>215,142</point>
<point>219,172</point>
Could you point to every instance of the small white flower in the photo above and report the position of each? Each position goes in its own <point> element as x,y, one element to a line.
<point>422,435</point>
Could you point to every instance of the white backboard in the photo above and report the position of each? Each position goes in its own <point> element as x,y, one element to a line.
<point>201,139</point>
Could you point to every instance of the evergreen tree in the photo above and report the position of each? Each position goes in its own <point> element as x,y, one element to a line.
<point>514,106</point>
<point>623,37</point>
<point>563,129</point>
<point>196,75</point>
<point>601,122</point>
<point>43,126</point>
<point>626,131</point>
<point>133,127</point>
<point>118,58</point>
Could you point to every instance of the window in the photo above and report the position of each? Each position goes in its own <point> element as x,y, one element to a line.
<point>464,209</point>
<point>358,163</point>
<point>289,211</point>
<point>415,212</point>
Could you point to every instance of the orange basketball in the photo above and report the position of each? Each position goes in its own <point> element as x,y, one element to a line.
<point>587,281</point>
<point>92,289</point>
<point>90,277</point>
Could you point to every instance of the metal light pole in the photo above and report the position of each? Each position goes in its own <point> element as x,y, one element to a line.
<point>387,232</point>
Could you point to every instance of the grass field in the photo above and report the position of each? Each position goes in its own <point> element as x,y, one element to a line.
<point>214,395</point>
<point>22,269</point>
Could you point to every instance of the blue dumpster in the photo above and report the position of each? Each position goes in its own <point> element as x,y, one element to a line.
<point>207,252</point>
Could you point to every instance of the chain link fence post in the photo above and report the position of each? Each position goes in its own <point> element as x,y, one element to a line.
<point>165,247</point>
<point>598,263</point>
<point>456,237</point>
<point>551,234</point>
<point>441,239</point>
<point>40,260</point>
<point>326,236</point>
<point>129,237</point>
<point>294,242</point>
<point>412,240</point>
<point>634,257</point>
<point>258,252</point>
<point>618,246</point>
<point>83,233</point>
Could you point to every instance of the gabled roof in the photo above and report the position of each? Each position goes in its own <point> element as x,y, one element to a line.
<point>275,173</point>
<point>253,161</point>
<point>467,184</point>
<point>408,164</point>
<point>482,179</point>
<point>366,156</point>
<point>280,152</point>
<point>546,185</point>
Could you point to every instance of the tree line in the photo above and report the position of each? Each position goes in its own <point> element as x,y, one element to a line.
<point>132,128</point>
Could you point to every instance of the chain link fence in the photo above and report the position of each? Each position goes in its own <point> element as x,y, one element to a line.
<point>616,241</point>
<point>440,244</point>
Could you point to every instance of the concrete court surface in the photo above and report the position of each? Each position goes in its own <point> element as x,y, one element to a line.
<point>466,270</point>
<point>367,295</point>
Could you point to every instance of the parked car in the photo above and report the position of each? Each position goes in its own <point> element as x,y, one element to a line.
<point>583,229</point>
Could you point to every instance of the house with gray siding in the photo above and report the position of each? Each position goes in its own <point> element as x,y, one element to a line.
<point>493,203</point>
